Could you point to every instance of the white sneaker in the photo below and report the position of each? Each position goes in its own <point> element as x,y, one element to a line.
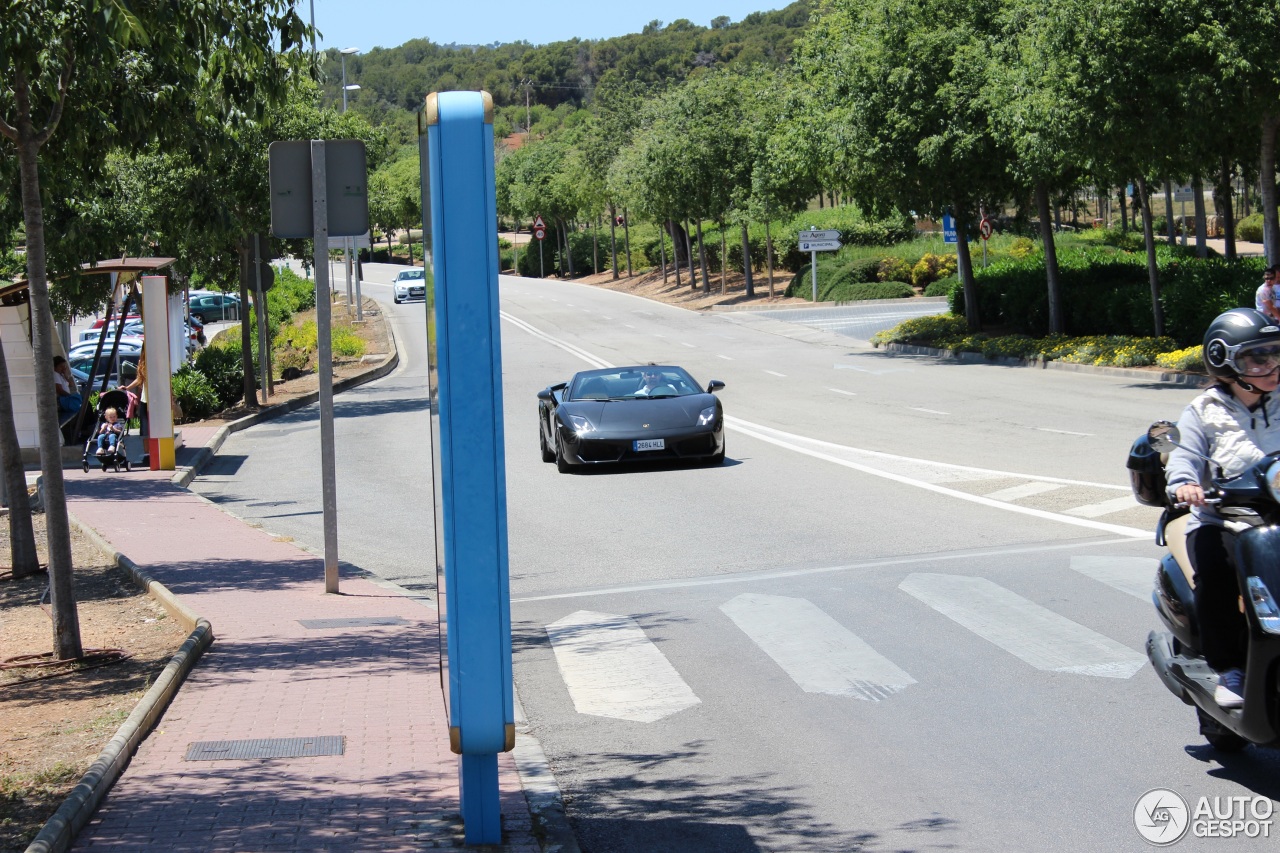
<point>1230,686</point>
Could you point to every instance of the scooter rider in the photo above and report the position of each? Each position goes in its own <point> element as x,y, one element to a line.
<point>1236,422</point>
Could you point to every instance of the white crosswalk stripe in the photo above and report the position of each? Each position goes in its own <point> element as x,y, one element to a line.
<point>613,670</point>
<point>820,654</point>
<point>1023,628</point>
<point>1132,575</point>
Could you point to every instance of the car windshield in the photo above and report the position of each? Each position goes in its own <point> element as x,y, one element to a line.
<point>414,274</point>
<point>633,383</point>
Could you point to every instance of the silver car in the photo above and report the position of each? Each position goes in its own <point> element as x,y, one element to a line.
<point>410,284</point>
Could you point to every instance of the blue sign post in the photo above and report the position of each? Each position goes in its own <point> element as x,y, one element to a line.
<point>465,382</point>
<point>949,229</point>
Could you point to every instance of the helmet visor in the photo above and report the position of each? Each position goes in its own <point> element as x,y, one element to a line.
<point>1258,360</point>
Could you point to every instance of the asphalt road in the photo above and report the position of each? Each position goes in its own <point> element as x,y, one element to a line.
<point>907,613</point>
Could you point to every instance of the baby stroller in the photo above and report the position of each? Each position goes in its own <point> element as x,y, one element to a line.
<point>119,457</point>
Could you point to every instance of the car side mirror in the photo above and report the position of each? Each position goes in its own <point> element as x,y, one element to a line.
<point>545,395</point>
<point>714,386</point>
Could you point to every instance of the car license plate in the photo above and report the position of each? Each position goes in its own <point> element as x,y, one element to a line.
<point>651,444</point>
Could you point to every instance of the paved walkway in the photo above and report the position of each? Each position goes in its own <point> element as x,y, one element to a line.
<point>268,675</point>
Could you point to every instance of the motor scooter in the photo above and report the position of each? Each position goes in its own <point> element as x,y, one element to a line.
<point>1250,503</point>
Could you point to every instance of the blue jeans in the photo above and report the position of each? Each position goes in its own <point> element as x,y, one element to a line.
<point>69,404</point>
<point>107,441</point>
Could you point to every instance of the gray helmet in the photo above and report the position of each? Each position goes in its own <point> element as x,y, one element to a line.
<point>1235,334</point>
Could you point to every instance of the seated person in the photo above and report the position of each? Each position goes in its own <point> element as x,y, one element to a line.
<point>652,384</point>
<point>1265,301</point>
<point>109,433</point>
<point>69,399</point>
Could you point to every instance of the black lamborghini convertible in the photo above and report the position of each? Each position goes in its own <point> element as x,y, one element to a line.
<point>630,414</point>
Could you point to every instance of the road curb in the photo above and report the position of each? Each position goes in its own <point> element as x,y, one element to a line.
<point>184,477</point>
<point>59,832</point>
<point>1194,380</point>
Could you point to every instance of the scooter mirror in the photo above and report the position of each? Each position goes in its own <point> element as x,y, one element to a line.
<point>1164,436</point>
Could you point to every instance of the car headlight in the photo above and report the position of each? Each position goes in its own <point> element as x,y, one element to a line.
<point>1264,605</point>
<point>580,425</point>
<point>707,416</point>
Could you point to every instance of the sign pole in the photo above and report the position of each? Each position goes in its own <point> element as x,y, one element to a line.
<point>264,349</point>
<point>324,305</point>
<point>813,270</point>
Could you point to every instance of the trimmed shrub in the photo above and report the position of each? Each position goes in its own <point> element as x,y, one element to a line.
<point>1023,247</point>
<point>1249,229</point>
<point>944,286</point>
<point>869,290</point>
<point>1189,360</point>
<point>932,267</point>
<point>194,393</point>
<point>221,364</point>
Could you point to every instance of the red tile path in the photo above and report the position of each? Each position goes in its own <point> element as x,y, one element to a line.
<point>266,676</point>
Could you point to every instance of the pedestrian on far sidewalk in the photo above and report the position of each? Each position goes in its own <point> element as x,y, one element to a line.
<point>1267,299</point>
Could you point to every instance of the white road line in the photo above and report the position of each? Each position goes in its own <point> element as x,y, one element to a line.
<point>689,345</point>
<point>1066,432</point>
<point>1104,508</point>
<point>796,442</point>
<point>783,574</point>
<point>725,357</point>
<point>763,433</point>
<point>1024,629</point>
<point>930,411</point>
<point>613,670</point>
<point>628,325</point>
<point>872,372</point>
<point>817,652</point>
<point>842,391</point>
<point>1133,575</point>
<point>776,373</point>
<point>1026,490</point>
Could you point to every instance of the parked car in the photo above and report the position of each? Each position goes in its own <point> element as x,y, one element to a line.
<point>132,328</point>
<point>214,307</point>
<point>120,371</point>
<point>630,414</point>
<point>409,284</point>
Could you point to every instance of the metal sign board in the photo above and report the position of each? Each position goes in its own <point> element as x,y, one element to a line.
<point>538,223</point>
<point>949,229</point>
<point>346,185</point>
<point>360,241</point>
<point>540,233</point>
<point>819,245</point>
<point>985,229</point>
<point>829,234</point>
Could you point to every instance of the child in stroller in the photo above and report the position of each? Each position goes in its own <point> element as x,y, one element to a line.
<point>107,444</point>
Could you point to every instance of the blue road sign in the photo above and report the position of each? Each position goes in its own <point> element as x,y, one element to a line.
<point>469,467</point>
<point>949,229</point>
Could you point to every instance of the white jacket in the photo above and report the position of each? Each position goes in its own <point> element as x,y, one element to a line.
<point>1222,428</point>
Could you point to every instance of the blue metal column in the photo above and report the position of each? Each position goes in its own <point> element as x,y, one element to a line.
<point>460,208</point>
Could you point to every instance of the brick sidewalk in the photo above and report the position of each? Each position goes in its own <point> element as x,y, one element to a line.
<point>395,785</point>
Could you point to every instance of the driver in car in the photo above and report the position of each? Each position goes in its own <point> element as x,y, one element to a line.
<point>652,383</point>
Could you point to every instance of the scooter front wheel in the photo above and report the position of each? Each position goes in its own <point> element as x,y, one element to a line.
<point>1218,737</point>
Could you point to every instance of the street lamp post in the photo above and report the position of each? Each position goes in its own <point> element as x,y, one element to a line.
<point>346,252</point>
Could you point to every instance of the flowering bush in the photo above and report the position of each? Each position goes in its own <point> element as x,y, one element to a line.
<point>1189,359</point>
<point>932,267</point>
<point>894,269</point>
<point>1022,247</point>
<point>951,333</point>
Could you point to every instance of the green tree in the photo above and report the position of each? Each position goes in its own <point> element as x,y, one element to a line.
<point>900,112</point>
<point>108,74</point>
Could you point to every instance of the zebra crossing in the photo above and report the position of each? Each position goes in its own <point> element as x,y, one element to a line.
<point>612,668</point>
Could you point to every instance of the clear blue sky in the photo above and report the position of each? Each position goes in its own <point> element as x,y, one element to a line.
<point>390,23</point>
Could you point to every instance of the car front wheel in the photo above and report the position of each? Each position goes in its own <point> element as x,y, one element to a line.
<point>562,464</point>
<point>548,455</point>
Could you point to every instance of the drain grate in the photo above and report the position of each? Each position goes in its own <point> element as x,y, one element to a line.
<point>354,622</point>
<point>274,747</point>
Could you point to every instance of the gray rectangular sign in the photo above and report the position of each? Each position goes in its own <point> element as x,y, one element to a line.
<point>346,184</point>
<point>811,236</point>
